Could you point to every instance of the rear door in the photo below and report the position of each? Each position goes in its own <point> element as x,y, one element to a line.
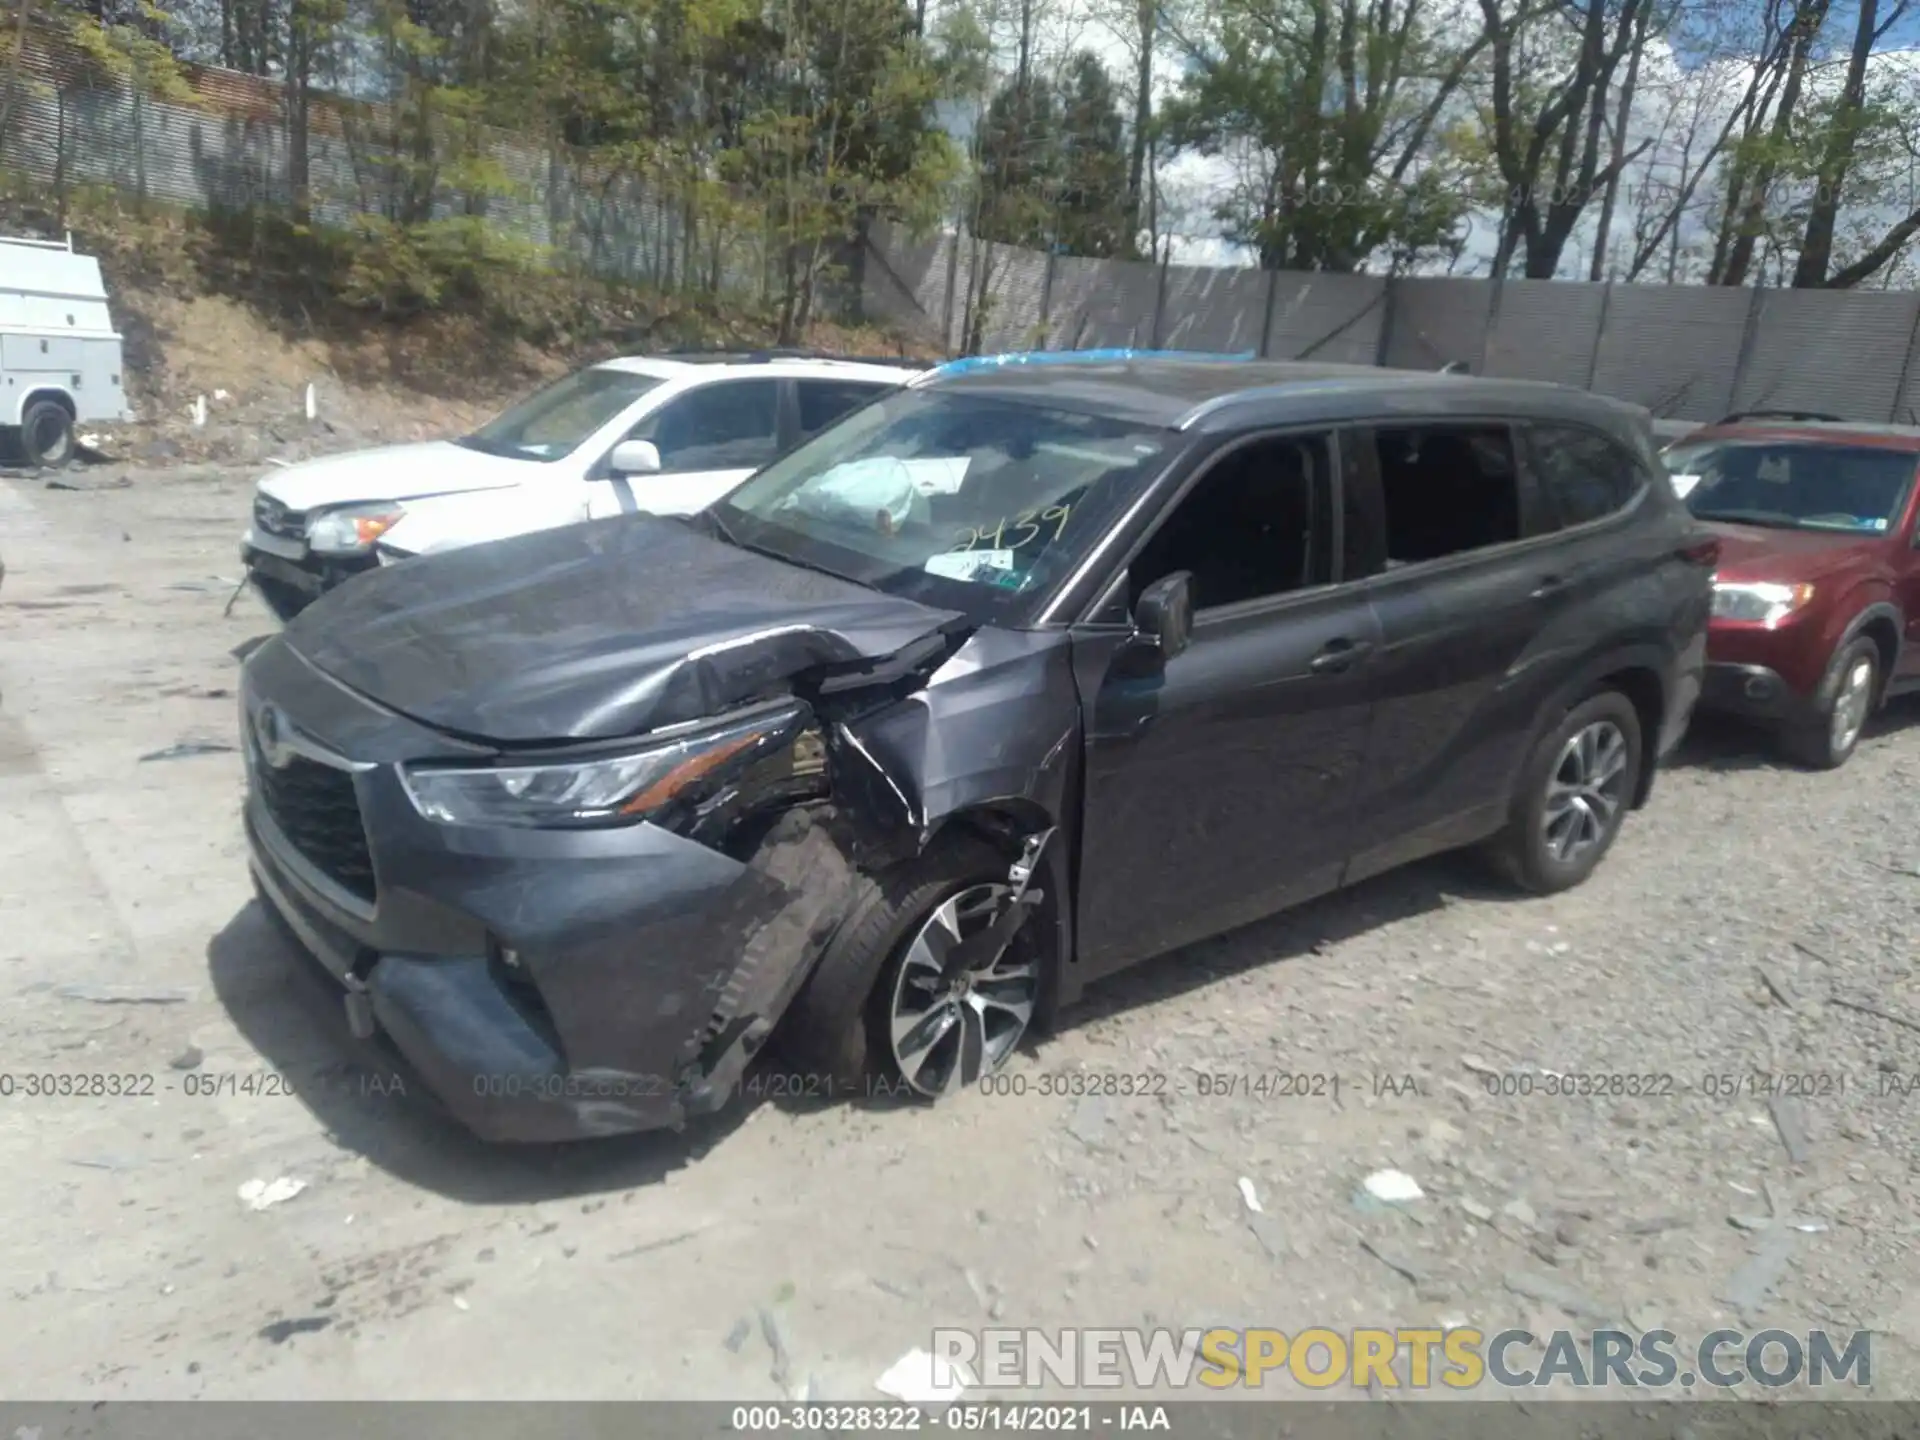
<point>1467,576</point>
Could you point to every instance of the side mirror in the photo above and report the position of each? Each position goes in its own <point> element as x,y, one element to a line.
<point>635,457</point>
<point>1164,616</point>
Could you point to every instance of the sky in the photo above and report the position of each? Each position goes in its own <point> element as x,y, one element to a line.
<point>1675,88</point>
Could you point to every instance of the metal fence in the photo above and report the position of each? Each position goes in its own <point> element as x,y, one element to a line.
<point>231,151</point>
<point>1690,352</point>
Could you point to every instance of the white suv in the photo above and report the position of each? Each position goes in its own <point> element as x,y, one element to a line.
<point>665,434</point>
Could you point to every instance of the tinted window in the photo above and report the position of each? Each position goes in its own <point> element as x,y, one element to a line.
<point>824,401</point>
<point>729,425</point>
<point>1585,475</point>
<point>1793,485</point>
<point>1255,524</point>
<point>1447,489</point>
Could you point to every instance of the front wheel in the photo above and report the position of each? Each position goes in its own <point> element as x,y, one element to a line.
<point>1574,793</point>
<point>915,992</point>
<point>1841,707</point>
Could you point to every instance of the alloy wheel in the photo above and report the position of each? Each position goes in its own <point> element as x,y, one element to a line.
<point>1585,791</point>
<point>1851,705</point>
<point>946,1033</point>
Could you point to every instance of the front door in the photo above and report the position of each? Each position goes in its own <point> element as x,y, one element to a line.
<point>1218,786</point>
<point>710,439</point>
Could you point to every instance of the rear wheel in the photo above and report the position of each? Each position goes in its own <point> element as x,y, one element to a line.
<point>1574,793</point>
<point>46,434</point>
<point>1842,706</point>
<point>890,1005</point>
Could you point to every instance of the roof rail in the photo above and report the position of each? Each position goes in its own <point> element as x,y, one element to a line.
<point>970,363</point>
<point>66,244</point>
<point>1804,416</point>
<point>761,357</point>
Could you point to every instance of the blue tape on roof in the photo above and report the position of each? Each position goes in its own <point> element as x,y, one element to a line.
<point>1079,357</point>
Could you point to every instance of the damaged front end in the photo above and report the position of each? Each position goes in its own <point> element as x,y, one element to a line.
<point>602,937</point>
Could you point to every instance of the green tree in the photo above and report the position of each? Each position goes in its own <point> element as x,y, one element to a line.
<point>1329,112</point>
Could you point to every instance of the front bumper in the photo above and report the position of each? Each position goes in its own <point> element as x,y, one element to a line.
<point>288,584</point>
<point>546,985</point>
<point>1753,692</point>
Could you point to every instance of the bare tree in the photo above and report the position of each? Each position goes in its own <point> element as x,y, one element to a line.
<point>1550,162</point>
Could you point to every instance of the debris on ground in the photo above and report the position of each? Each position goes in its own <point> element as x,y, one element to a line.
<point>188,748</point>
<point>125,994</point>
<point>737,1337</point>
<point>187,1059</point>
<point>912,1380</point>
<point>1792,1127</point>
<point>774,1333</point>
<point>280,1331</point>
<point>1393,1187</point>
<point>1753,1281</point>
<point>264,1194</point>
<point>1088,1123</point>
<point>1391,1260</point>
<point>1249,1195</point>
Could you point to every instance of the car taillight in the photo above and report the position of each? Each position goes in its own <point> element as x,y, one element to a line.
<point>1705,552</point>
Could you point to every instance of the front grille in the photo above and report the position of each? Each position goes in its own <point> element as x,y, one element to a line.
<point>316,808</point>
<point>273,518</point>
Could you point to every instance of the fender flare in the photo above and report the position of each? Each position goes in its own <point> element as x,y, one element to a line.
<point>1868,613</point>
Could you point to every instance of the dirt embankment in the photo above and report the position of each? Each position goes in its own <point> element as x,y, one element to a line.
<point>248,314</point>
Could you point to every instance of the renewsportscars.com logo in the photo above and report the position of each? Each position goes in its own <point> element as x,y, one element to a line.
<point>1396,1359</point>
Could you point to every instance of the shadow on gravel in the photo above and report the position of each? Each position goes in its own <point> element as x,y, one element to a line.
<point>372,1103</point>
<point>1417,889</point>
<point>1717,742</point>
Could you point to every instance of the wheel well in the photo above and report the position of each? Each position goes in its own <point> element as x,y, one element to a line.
<point>1886,639</point>
<point>59,397</point>
<point>1642,687</point>
<point>1003,824</point>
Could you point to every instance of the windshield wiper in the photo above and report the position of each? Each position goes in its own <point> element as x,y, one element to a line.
<point>1766,519</point>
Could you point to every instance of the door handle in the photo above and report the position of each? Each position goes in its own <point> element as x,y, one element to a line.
<point>1549,585</point>
<point>1338,655</point>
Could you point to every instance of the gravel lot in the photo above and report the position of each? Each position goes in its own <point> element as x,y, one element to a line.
<point>784,1246</point>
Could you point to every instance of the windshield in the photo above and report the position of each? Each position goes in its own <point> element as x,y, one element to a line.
<point>968,503</point>
<point>552,423</point>
<point>1791,485</point>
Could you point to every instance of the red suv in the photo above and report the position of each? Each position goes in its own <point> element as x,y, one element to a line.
<point>1816,603</point>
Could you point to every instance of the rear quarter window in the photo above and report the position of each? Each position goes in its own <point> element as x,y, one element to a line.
<point>1584,475</point>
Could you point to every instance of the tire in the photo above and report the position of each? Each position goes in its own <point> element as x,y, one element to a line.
<point>46,434</point>
<point>1609,728</point>
<point>837,1031</point>
<point>1852,680</point>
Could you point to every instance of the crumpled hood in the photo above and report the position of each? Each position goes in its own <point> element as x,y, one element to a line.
<point>393,472</point>
<point>594,631</point>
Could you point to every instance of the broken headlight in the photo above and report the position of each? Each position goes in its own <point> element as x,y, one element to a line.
<point>617,789</point>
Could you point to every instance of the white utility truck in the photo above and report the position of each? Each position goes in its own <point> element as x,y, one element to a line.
<point>59,352</point>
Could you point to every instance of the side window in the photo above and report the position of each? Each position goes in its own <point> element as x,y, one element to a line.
<point>822,402</point>
<point>1585,476</point>
<point>728,425</point>
<point>1448,489</point>
<point>1256,524</point>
